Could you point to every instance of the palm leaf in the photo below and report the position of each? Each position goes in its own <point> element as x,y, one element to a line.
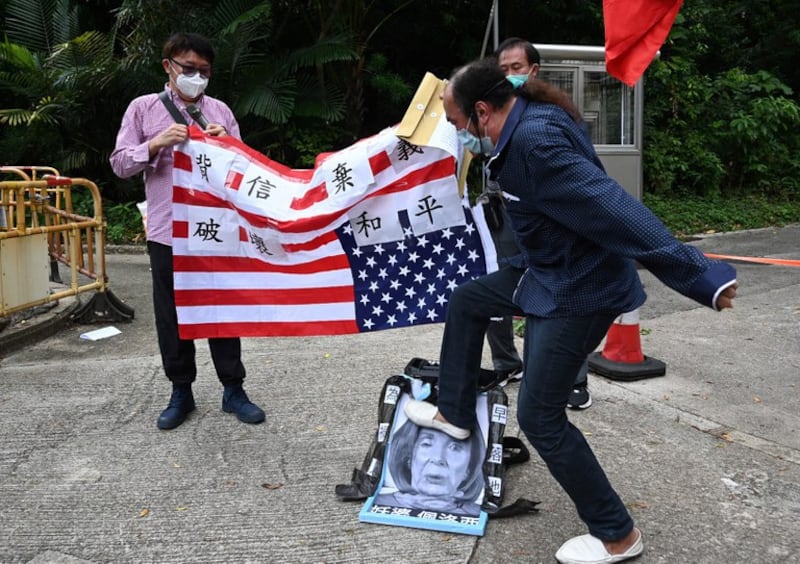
<point>18,56</point>
<point>234,14</point>
<point>73,160</point>
<point>26,23</point>
<point>15,117</point>
<point>91,48</point>
<point>23,77</point>
<point>274,101</point>
<point>328,50</point>
<point>63,21</point>
<point>46,113</point>
<point>41,24</point>
<point>328,104</point>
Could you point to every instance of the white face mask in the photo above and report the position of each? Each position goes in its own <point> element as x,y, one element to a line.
<point>191,86</point>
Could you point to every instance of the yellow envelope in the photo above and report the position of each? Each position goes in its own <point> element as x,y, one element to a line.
<point>422,116</point>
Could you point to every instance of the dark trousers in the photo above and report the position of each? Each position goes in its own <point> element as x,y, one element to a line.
<point>505,358</point>
<point>469,311</point>
<point>500,332</point>
<point>500,336</point>
<point>178,355</point>
<point>554,351</point>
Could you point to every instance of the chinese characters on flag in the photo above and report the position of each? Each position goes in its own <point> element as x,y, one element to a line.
<point>375,237</point>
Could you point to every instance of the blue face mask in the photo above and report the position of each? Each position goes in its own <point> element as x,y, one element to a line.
<point>473,144</point>
<point>469,141</point>
<point>517,80</point>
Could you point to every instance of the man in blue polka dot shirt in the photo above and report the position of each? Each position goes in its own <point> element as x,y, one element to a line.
<point>581,235</point>
<point>519,60</point>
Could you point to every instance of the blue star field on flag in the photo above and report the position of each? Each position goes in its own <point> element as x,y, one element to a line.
<point>409,282</point>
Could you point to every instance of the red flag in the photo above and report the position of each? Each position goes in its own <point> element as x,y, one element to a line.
<point>635,31</point>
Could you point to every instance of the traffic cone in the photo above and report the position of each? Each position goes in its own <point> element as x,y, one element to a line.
<point>622,357</point>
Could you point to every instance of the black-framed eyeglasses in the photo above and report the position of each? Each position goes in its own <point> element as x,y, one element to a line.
<point>190,70</point>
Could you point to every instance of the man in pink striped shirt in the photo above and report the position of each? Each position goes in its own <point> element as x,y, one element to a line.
<point>152,125</point>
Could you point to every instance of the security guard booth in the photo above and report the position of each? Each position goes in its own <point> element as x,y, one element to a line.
<point>611,109</point>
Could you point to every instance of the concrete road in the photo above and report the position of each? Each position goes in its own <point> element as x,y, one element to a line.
<point>707,457</point>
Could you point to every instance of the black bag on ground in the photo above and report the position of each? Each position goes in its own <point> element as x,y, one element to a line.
<point>501,451</point>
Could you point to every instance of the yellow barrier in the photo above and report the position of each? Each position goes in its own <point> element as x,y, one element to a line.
<point>40,225</point>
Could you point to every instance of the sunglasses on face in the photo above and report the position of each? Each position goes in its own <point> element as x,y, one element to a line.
<point>190,70</point>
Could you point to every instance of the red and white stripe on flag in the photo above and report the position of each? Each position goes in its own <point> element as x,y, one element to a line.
<point>634,32</point>
<point>374,237</point>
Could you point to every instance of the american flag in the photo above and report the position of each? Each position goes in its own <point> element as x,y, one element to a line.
<point>374,237</point>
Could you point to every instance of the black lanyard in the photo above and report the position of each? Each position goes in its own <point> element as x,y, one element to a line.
<point>170,105</point>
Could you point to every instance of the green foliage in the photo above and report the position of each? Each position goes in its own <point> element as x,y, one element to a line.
<point>721,108</point>
<point>519,326</point>
<point>730,135</point>
<point>681,164</point>
<point>689,215</point>
<point>57,88</point>
<point>730,131</point>
<point>123,223</point>
<point>386,83</point>
<point>759,141</point>
<point>257,76</point>
<point>300,144</point>
<point>41,24</point>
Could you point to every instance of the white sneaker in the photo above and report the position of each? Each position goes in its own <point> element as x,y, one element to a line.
<point>587,549</point>
<point>423,414</point>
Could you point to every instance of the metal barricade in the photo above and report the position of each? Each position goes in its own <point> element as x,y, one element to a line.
<point>26,172</point>
<point>39,226</point>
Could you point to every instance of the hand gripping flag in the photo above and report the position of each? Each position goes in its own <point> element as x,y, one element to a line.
<point>374,237</point>
<point>635,30</point>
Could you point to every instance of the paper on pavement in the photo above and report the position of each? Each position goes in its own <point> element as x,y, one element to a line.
<point>103,333</point>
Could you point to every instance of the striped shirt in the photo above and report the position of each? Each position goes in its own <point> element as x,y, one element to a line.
<point>145,118</point>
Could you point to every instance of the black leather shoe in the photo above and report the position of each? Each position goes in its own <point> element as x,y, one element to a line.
<point>235,400</point>
<point>180,405</point>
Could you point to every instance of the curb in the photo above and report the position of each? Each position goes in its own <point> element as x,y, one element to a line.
<point>40,322</point>
<point>38,326</point>
<point>126,249</point>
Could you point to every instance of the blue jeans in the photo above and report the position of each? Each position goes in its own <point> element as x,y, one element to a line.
<point>469,311</point>
<point>505,358</point>
<point>555,350</point>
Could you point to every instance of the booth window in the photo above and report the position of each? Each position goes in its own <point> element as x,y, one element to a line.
<point>607,105</point>
<point>612,110</point>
